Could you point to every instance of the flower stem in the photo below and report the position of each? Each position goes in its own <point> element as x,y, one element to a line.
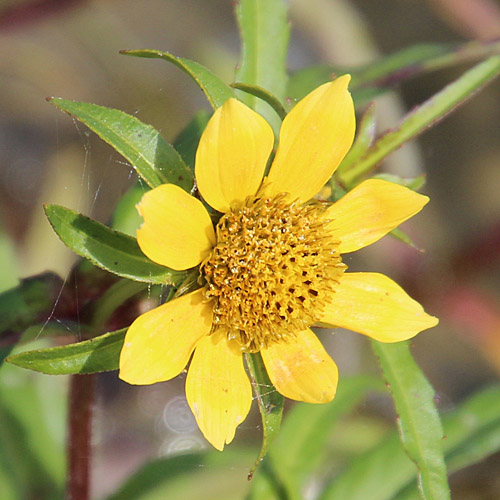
<point>81,398</point>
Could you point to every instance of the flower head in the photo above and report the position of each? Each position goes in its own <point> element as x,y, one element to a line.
<point>272,266</point>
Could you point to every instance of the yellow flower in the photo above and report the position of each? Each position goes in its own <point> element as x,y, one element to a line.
<point>272,266</point>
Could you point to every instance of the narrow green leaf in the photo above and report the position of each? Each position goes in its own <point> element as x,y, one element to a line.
<point>472,432</point>
<point>418,420</point>
<point>90,356</point>
<point>216,90</point>
<point>270,403</point>
<point>372,79</point>
<point>154,159</point>
<point>110,250</point>
<point>429,113</point>
<point>364,139</point>
<point>401,236</point>
<point>264,32</point>
<point>263,94</point>
<point>414,183</point>
<point>186,143</point>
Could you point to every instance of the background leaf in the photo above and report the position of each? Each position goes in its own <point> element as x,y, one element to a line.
<point>111,250</point>
<point>418,420</point>
<point>186,143</point>
<point>216,90</point>
<point>371,80</point>
<point>154,159</point>
<point>29,303</point>
<point>429,113</point>
<point>300,446</point>
<point>264,33</point>
<point>386,473</point>
<point>190,477</point>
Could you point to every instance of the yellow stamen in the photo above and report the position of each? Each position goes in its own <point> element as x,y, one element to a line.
<point>273,269</point>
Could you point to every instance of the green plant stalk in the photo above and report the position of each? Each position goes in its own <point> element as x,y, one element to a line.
<point>429,113</point>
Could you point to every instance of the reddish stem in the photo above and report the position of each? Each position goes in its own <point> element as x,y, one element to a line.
<point>81,396</point>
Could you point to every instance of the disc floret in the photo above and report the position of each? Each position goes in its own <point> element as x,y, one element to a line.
<point>272,271</point>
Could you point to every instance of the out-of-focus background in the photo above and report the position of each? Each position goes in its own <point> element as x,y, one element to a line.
<point>70,49</point>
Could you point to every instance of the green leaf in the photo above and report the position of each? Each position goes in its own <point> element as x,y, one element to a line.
<point>472,432</point>
<point>110,250</point>
<point>372,79</point>
<point>216,90</point>
<point>429,113</point>
<point>186,143</point>
<point>154,159</point>
<point>414,183</point>
<point>418,420</point>
<point>264,95</point>
<point>90,356</point>
<point>264,32</point>
<point>270,403</point>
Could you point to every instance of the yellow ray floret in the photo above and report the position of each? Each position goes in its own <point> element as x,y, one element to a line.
<point>218,390</point>
<point>272,266</point>
<point>232,155</point>
<point>372,304</point>
<point>370,211</point>
<point>314,138</point>
<point>158,343</point>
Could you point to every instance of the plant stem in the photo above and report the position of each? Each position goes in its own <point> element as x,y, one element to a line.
<point>81,398</point>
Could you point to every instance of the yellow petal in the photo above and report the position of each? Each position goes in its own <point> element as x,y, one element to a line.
<point>372,304</point>
<point>314,138</point>
<point>232,155</point>
<point>158,343</point>
<point>177,230</point>
<point>218,390</point>
<point>301,369</point>
<point>370,211</point>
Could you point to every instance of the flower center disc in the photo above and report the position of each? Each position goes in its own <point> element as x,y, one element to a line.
<point>273,269</point>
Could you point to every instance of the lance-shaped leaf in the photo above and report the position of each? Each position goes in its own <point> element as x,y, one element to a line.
<point>429,113</point>
<point>215,89</point>
<point>90,356</point>
<point>264,32</point>
<point>154,159</point>
<point>418,419</point>
<point>106,248</point>
<point>370,80</point>
<point>262,94</point>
